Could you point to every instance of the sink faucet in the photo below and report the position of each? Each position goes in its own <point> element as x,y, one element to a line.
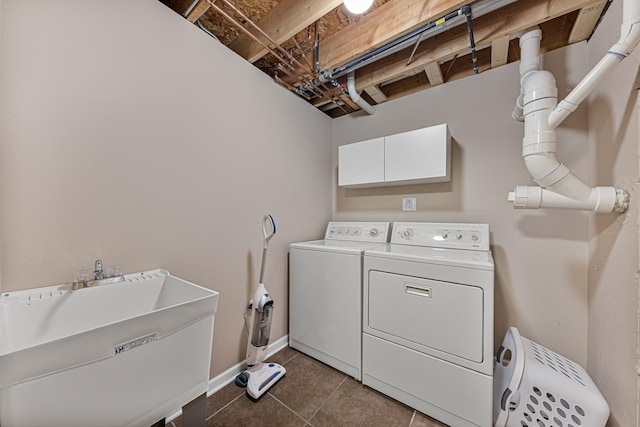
<point>113,275</point>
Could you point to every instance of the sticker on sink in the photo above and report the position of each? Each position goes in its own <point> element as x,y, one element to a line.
<point>135,343</point>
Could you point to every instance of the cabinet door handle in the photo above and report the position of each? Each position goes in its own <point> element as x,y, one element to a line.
<point>419,291</point>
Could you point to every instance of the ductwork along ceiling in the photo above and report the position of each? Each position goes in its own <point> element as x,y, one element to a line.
<point>396,48</point>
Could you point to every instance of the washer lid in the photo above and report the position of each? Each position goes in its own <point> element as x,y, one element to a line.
<point>341,246</point>
<point>455,257</point>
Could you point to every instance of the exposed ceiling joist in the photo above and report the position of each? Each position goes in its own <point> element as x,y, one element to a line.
<point>376,94</point>
<point>511,19</point>
<point>376,28</point>
<point>288,55</point>
<point>199,10</point>
<point>282,22</point>
<point>586,22</point>
<point>434,73</point>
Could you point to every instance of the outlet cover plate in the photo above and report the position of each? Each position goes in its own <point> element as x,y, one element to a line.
<point>409,204</point>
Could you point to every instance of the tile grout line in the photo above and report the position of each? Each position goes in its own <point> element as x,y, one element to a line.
<point>221,409</point>
<point>412,418</point>
<point>291,358</point>
<point>233,400</point>
<point>328,397</point>
<point>285,405</point>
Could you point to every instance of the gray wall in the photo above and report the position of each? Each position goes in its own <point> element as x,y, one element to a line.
<point>540,256</point>
<point>128,134</point>
<point>124,134</point>
<point>613,240</point>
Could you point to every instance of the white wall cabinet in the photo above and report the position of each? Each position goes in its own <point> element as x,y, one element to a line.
<point>361,164</point>
<point>416,157</point>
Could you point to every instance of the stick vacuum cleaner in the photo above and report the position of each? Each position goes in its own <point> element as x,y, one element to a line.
<point>260,376</point>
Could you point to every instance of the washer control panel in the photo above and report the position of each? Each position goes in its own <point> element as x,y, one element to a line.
<point>442,235</point>
<point>358,231</point>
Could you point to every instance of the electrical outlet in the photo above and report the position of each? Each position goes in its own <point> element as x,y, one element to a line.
<point>409,204</point>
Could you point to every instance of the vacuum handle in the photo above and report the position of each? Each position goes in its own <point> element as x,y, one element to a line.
<point>268,229</point>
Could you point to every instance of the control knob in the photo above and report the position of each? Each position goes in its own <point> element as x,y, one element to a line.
<point>374,232</point>
<point>407,233</point>
<point>474,237</point>
<point>459,236</point>
<point>445,235</point>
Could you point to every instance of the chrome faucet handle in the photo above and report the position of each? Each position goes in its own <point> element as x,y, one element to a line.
<point>82,276</point>
<point>84,280</point>
<point>98,270</point>
<point>113,271</point>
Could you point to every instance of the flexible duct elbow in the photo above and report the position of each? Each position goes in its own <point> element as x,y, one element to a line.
<point>355,96</point>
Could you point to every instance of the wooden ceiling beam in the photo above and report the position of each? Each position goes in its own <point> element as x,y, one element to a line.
<point>434,73</point>
<point>457,68</point>
<point>586,22</point>
<point>511,19</point>
<point>381,26</point>
<point>347,100</point>
<point>376,94</point>
<point>281,23</point>
<point>198,11</point>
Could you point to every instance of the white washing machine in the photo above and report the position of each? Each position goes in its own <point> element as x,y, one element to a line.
<point>428,320</point>
<point>325,293</point>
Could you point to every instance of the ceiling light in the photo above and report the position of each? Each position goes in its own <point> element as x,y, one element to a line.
<point>358,6</point>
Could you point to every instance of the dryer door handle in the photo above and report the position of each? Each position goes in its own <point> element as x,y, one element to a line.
<point>417,290</point>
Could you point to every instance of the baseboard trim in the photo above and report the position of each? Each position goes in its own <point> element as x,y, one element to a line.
<point>226,377</point>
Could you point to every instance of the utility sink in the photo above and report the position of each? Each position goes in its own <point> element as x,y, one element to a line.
<point>122,354</point>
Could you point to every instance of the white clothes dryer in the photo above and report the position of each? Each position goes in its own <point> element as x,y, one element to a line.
<point>428,320</point>
<point>325,293</point>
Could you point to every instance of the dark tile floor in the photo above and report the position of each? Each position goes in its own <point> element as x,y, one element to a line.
<point>313,395</point>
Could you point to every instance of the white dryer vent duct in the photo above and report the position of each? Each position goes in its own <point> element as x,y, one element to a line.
<point>538,107</point>
<point>355,96</point>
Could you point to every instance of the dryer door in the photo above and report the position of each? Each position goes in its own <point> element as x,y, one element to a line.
<point>426,314</point>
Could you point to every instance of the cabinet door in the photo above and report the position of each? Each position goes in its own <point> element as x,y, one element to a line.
<point>361,164</point>
<point>421,154</point>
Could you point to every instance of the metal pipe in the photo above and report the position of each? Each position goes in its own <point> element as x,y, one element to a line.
<point>207,31</point>
<point>190,8</point>
<point>430,25</point>
<point>467,12</point>
<point>257,40</point>
<point>453,19</point>
<point>324,73</point>
<point>291,88</point>
<point>265,35</point>
<point>302,54</point>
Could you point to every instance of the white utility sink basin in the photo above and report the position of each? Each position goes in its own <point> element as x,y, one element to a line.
<point>122,354</point>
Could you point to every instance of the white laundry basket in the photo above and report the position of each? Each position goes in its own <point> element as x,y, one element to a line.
<point>536,387</point>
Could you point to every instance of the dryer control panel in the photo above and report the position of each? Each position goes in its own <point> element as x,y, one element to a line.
<point>442,235</point>
<point>375,232</point>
